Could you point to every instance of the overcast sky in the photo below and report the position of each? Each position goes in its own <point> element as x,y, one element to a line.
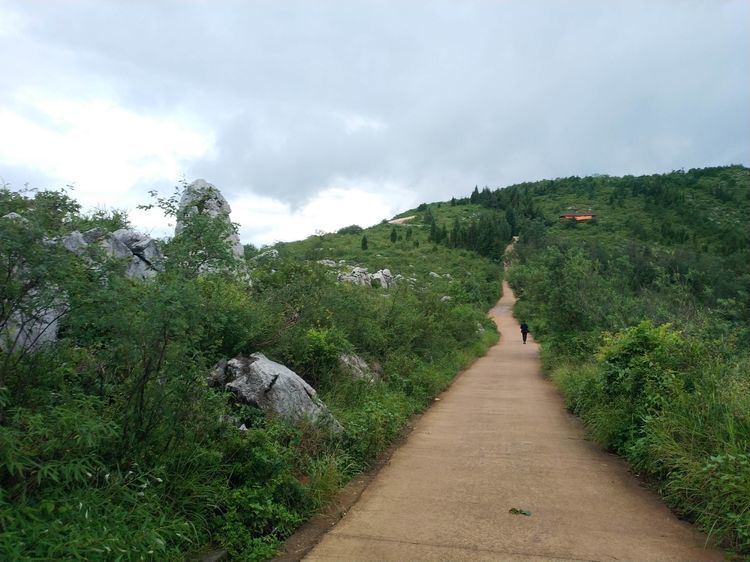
<point>315,115</point>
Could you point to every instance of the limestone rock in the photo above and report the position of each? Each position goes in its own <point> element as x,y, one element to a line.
<point>272,387</point>
<point>203,197</point>
<point>74,241</point>
<point>272,254</point>
<point>356,367</point>
<point>142,252</point>
<point>383,278</point>
<point>327,263</point>
<point>15,217</point>
<point>358,276</point>
<point>434,275</point>
<point>141,246</point>
<point>94,235</point>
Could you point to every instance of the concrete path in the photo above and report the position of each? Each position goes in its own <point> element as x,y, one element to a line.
<point>500,438</point>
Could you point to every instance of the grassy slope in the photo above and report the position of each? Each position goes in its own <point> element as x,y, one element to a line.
<point>672,400</point>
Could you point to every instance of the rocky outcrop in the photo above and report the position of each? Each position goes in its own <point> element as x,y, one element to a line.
<point>272,387</point>
<point>383,278</point>
<point>142,252</point>
<point>359,276</point>
<point>356,367</point>
<point>203,197</point>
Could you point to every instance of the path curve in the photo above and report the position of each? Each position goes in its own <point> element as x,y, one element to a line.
<point>500,438</point>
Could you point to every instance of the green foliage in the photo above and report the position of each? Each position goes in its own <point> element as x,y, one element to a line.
<point>643,319</point>
<point>112,447</point>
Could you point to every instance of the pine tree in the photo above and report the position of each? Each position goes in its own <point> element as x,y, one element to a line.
<point>394,235</point>
<point>364,242</point>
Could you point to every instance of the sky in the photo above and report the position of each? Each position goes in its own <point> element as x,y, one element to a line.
<point>310,116</point>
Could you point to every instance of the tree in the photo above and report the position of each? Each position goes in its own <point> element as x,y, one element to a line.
<point>394,235</point>
<point>364,242</point>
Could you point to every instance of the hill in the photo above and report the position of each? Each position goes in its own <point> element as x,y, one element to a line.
<point>118,441</point>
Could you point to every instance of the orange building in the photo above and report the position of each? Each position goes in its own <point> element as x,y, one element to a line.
<point>578,217</point>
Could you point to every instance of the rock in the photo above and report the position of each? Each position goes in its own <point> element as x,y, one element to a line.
<point>218,375</point>
<point>75,242</point>
<point>32,329</point>
<point>445,298</point>
<point>115,248</point>
<point>435,275</point>
<point>142,246</point>
<point>272,387</point>
<point>142,252</point>
<point>203,197</point>
<point>448,276</point>
<point>272,254</point>
<point>94,235</point>
<point>358,276</point>
<point>383,278</point>
<point>356,367</point>
<point>15,217</point>
<point>327,263</point>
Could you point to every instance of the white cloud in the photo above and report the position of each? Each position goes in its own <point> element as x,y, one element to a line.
<point>264,220</point>
<point>101,148</point>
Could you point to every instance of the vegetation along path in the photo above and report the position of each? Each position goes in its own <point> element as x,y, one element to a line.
<point>498,470</point>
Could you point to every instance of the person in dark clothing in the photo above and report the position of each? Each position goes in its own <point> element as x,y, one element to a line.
<point>524,331</point>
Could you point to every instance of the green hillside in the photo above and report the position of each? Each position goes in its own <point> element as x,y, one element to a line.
<point>643,315</point>
<point>113,446</point>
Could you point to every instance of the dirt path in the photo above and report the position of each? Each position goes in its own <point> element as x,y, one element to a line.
<point>500,438</point>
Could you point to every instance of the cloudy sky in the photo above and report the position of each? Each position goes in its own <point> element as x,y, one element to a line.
<point>315,115</point>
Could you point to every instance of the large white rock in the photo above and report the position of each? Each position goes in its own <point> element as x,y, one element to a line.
<point>142,246</point>
<point>356,367</point>
<point>142,252</point>
<point>203,197</point>
<point>272,387</point>
<point>74,241</point>
<point>358,276</point>
<point>383,278</point>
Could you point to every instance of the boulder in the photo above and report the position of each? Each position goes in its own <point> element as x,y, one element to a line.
<point>15,217</point>
<point>142,252</point>
<point>358,276</point>
<point>446,298</point>
<point>142,246</point>
<point>94,235</point>
<point>383,278</point>
<point>203,197</point>
<point>434,275</point>
<point>272,254</point>
<point>75,242</point>
<point>356,367</point>
<point>327,263</point>
<point>116,248</point>
<point>272,387</point>
<point>32,329</point>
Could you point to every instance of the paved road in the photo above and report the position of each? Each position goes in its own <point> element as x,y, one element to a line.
<point>500,438</point>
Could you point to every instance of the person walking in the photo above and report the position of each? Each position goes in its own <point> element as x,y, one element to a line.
<point>524,331</point>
